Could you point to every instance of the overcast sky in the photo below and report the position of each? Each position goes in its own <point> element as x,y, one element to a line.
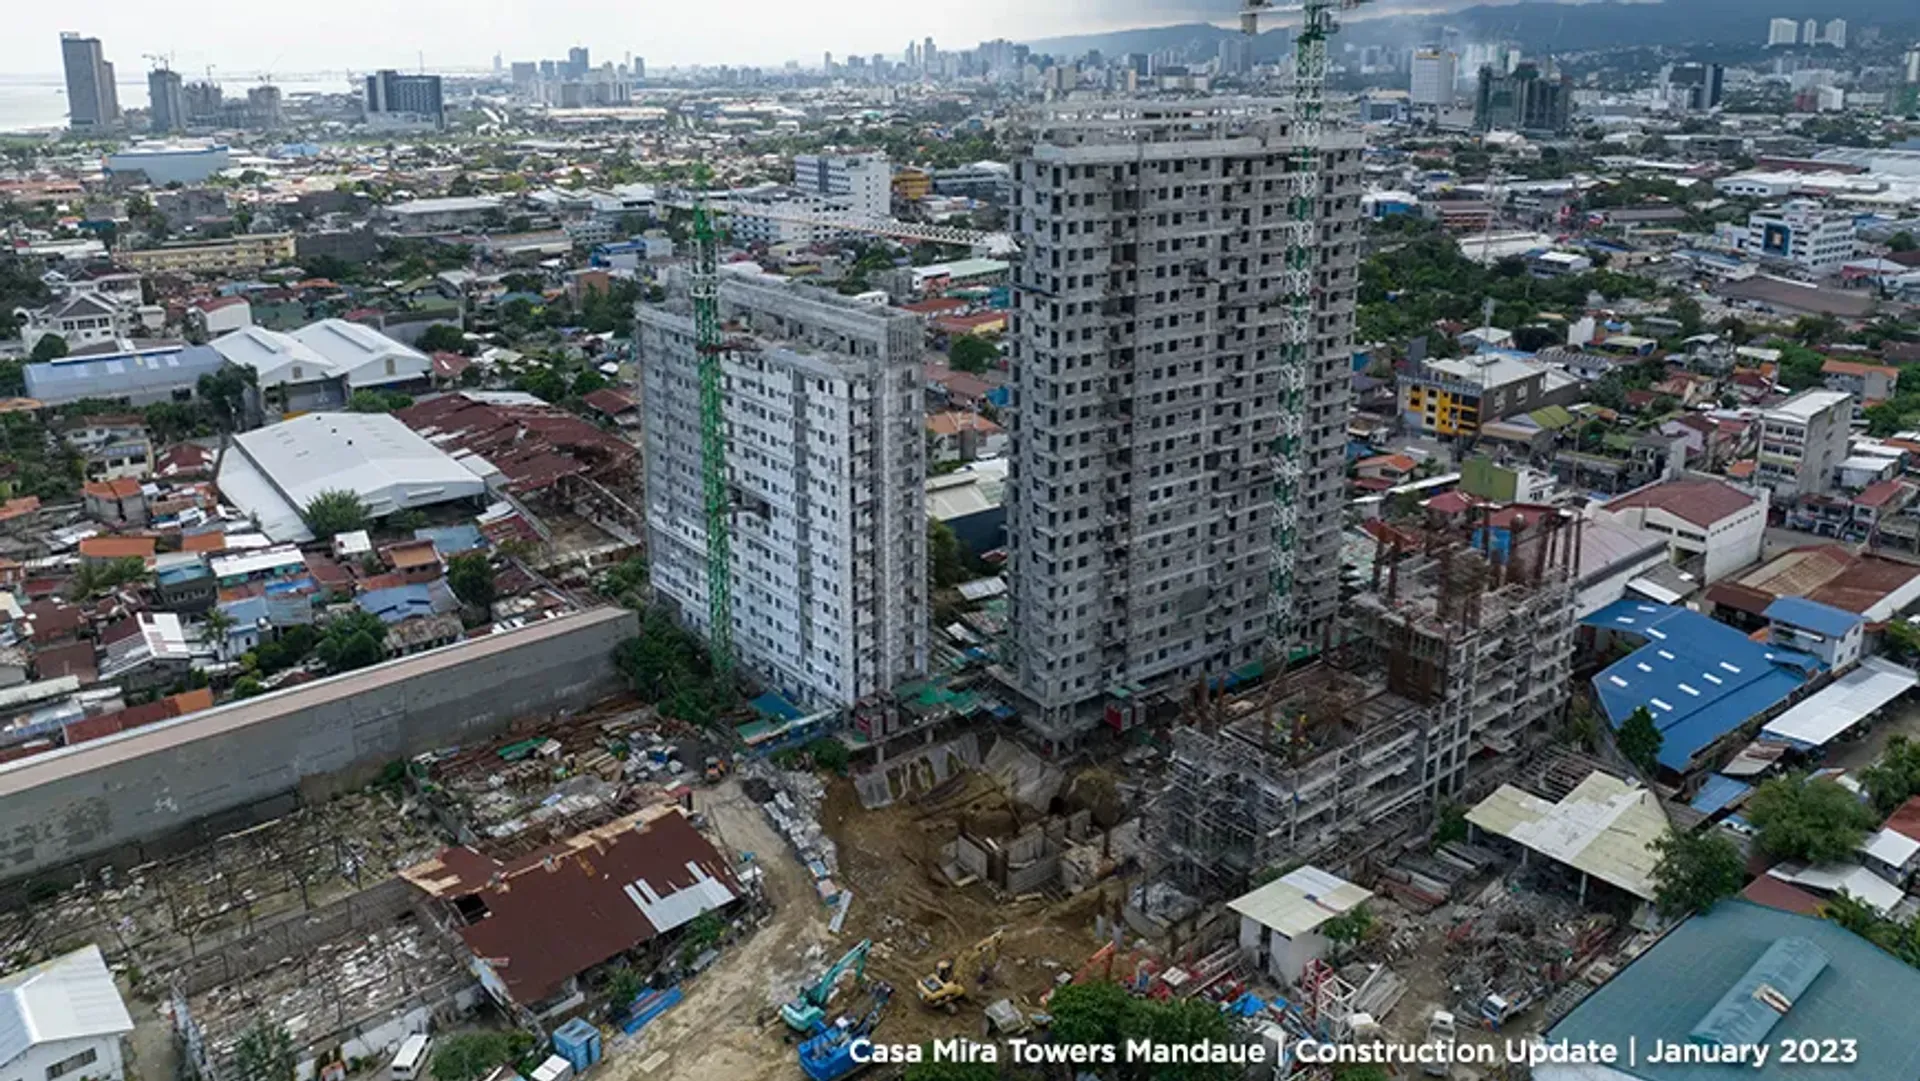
<point>245,35</point>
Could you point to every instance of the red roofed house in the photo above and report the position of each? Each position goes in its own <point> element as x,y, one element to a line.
<point>614,405</point>
<point>221,315</point>
<point>1708,518</point>
<point>108,549</point>
<point>962,436</point>
<point>1395,468</point>
<point>116,502</point>
<point>537,924</point>
<point>1868,383</point>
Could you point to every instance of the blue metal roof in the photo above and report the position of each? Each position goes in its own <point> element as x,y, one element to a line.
<point>398,603</point>
<point>1698,677</point>
<point>1754,1004</point>
<point>121,375</point>
<point>451,540</point>
<point>1814,616</point>
<point>1718,793</point>
<point>1664,993</point>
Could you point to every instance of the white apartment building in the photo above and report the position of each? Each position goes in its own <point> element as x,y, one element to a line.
<point>1698,516</point>
<point>1801,232</point>
<point>859,184</point>
<point>827,462</point>
<point>1782,32</point>
<point>1434,74</point>
<point>1836,33</point>
<point>1810,32</point>
<point>1159,380</point>
<point>1802,441</point>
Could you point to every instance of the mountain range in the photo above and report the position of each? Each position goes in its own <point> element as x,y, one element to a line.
<point>1535,25</point>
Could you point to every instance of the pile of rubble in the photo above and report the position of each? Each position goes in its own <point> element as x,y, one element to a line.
<point>1423,881</point>
<point>1512,947</point>
<point>791,800</point>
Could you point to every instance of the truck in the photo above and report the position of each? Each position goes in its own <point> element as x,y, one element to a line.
<point>1441,1036</point>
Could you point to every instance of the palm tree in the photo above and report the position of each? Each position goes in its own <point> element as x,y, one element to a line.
<point>218,622</point>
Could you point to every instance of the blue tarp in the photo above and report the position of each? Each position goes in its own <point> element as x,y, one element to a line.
<point>397,604</point>
<point>1700,678</point>
<point>1718,793</point>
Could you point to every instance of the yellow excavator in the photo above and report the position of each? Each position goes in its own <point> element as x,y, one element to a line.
<point>943,988</point>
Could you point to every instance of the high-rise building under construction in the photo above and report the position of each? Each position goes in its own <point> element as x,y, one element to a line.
<point>1181,338</point>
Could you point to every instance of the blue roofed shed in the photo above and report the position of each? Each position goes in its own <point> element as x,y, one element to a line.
<point>1700,678</point>
<point>1814,616</point>
<point>451,540</point>
<point>1747,972</point>
<point>142,376</point>
<point>398,603</point>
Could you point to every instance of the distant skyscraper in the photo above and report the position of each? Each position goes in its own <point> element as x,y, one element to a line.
<point>826,62</point>
<point>1526,101</point>
<point>497,66</point>
<point>204,103</point>
<point>166,103</point>
<point>577,62</point>
<point>1695,87</point>
<point>396,100</point>
<point>263,107</point>
<point>1836,33</point>
<point>1433,78</point>
<point>929,56</point>
<point>1913,64</point>
<point>1782,32</point>
<point>639,68</point>
<point>1236,54</point>
<point>1810,32</point>
<point>92,101</point>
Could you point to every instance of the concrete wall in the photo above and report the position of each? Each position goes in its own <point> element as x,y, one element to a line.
<point>122,796</point>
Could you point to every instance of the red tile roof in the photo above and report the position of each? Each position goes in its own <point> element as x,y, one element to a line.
<point>1879,494</point>
<point>1905,819</point>
<point>1770,891</point>
<point>117,548</point>
<point>1851,367</point>
<point>1702,502</point>
<point>118,488</point>
<point>564,909</point>
<point>533,446</point>
<point>19,507</point>
<point>75,659</point>
<point>610,402</point>
<point>204,542</point>
<point>449,365</point>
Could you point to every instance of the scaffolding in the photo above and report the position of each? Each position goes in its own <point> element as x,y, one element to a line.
<point>1334,761</point>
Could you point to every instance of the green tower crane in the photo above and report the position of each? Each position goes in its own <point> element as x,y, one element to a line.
<point>717,496</point>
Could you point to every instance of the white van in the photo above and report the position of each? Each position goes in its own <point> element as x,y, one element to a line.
<point>411,1060</point>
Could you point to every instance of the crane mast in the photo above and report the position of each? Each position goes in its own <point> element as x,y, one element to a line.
<point>1306,128</point>
<point>715,492</point>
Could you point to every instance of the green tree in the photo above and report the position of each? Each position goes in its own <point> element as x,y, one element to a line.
<point>465,1056</point>
<point>470,575</point>
<point>49,347</point>
<point>544,383</point>
<point>248,687</point>
<point>377,401</point>
<point>971,353</point>
<point>1695,870</point>
<point>1686,311</point>
<point>94,579</point>
<point>1812,819</point>
<point>334,511</point>
<point>1639,740</point>
<point>1902,241</point>
<point>1349,927</point>
<point>352,640</point>
<point>830,754</point>
<point>1895,778</point>
<point>1090,1013</point>
<point>946,562</point>
<point>625,583</point>
<point>443,338</point>
<point>264,1052</point>
<point>587,382</point>
<point>225,392</point>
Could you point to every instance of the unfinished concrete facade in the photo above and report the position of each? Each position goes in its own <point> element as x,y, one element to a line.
<point>827,463</point>
<point>1177,424</point>
<point>1477,656</point>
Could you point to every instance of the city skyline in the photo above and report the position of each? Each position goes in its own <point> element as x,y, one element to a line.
<point>669,37</point>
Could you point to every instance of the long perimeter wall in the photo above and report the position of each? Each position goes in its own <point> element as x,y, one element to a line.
<point>114,795</point>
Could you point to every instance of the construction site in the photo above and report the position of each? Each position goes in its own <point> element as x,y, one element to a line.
<point>1458,658</point>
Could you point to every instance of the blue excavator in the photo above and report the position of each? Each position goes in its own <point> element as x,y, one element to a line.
<point>807,1014</point>
<point>829,1055</point>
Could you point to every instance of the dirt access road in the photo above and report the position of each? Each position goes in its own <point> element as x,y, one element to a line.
<point>728,1027</point>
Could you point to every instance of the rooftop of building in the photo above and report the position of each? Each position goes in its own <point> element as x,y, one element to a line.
<point>1702,982</point>
<point>1703,502</point>
<point>71,997</point>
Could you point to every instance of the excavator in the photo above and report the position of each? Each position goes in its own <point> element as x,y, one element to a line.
<point>807,1014</point>
<point>829,1056</point>
<point>943,988</point>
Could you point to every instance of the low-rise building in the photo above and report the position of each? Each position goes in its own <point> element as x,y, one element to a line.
<point>1868,383</point>
<point>1454,397</point>
<point>136,372</point>
<point>1802,233</point>
<point>63,1018</point>
<point>232,256</point>
<point>1722,525</point>
<point>1281,922</point>
<point>445,215</point>
<point>1802,440</point>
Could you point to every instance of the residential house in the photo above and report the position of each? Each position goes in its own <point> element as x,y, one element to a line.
<point>208,319</point>
<point>63,1018</point>
<point>145,651</point>
<point>1455,397</point>
<point>1385,470</point>
<point>1722,525</point>
<point>87,319</point>
<point>954,435</point>
<point>118,502</point>
<point>98,551</point>
<point>1868,383</point>
<point>111,445</point>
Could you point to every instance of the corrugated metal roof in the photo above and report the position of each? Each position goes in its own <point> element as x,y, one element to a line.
<point>1718,793</point>
<point>1299,901</point>
<point>1604,827</point>
<point>1814,616</point>
<point>1835,878</point>
<point>1865,993</point>
<point>1762,995</point>
<point>68,998</point>
<point>1843,704</point>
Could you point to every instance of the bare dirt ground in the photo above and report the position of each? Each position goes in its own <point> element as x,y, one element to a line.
<point>728,1027</point>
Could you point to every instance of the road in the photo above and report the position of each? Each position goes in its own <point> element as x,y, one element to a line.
<point>728,1026</point>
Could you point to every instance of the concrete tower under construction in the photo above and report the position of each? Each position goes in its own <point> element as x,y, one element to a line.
<point>1181,331</point>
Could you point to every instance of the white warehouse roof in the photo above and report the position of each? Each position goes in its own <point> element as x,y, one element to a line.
<point>274,472</point>
<point>1300,900</point>
<point>68,998</point>
<point>1842,704</point>
<point>328,349</point>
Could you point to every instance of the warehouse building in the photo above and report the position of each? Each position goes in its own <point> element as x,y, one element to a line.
<point>273,473</point>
